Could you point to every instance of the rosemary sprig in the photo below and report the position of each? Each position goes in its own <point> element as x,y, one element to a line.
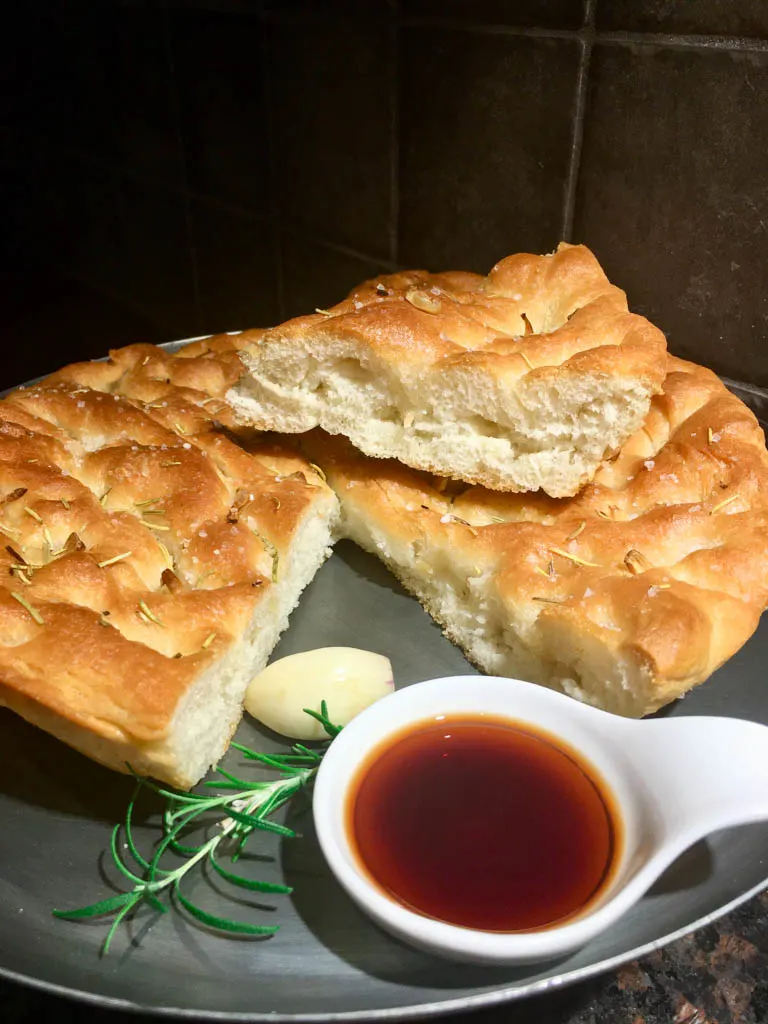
<point>230,817</point>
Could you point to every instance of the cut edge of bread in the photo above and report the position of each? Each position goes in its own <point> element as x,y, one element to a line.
<point>549,431</point>
<point>209,712</point>
<point>578,664</point>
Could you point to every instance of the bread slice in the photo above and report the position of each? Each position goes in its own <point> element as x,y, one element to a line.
<point>623,597</point>
<point>149,561</point>
<point>521,380</point>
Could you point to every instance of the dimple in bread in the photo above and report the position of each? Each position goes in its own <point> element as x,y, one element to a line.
<point>625,596</point>
<point>148,562</point>
<point>521,380</point>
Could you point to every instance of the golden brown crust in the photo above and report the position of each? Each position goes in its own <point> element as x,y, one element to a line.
<point>421,319</point>
<point>185,387</point>
<point>573,312</point>
<point>663,559</point>
<point>137,537</point>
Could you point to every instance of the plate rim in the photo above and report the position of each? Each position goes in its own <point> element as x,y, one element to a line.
<point>482,1000</point>
<point>459,1004</point>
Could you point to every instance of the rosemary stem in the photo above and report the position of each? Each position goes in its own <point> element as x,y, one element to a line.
<point>228,825</point>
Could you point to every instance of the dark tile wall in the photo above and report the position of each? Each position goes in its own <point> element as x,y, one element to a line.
<point>204,165</point>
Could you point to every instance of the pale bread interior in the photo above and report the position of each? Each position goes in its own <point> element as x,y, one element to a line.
<point>545,432</point>
<point>529,646</point>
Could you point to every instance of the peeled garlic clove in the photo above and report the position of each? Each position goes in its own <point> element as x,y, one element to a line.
<point>346,678</point>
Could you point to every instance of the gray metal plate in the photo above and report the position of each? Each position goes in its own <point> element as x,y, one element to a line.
<point>327,961</point>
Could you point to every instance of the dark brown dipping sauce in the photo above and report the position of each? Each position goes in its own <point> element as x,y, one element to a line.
<point>482,823</point>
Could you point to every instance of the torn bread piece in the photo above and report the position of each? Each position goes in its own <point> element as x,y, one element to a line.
<point>522,380</point>
<point>148,562</point>
<point>624,597</point>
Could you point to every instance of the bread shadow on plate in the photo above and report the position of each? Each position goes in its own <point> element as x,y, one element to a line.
<point>364,564</point>
<point>41,771</point>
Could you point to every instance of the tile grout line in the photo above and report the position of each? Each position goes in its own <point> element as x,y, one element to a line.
<point>394,146</point>
<point>298,230</point>
<point>667,40</point>
<point>185,191</point>
<point>275,217</point>
<point>577,135</point>
<point>489,28</point>
<point>670,41</point>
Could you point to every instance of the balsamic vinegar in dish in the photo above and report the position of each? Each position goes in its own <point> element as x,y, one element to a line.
<point>483,823</point>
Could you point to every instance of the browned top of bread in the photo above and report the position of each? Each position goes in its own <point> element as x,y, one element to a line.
<point>136,536</point>
<point>529,313</point>
<point>184,387</point>
<point>663,559</point>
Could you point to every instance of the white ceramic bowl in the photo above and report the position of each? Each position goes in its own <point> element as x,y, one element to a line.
<point>668,787</point>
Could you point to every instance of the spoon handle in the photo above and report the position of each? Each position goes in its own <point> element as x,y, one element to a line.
<point>706,773</point>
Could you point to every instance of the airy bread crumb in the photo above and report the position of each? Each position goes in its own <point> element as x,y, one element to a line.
<point>522,380</point>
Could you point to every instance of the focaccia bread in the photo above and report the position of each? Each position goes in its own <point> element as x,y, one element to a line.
<point>625,596</point>
<point>521,380</point>
<point>148,562</point>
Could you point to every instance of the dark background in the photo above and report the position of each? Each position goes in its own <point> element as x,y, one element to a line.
<point>175,168</point>
<point>171,168</point>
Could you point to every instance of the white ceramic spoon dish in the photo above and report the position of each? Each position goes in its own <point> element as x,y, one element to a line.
<point>674,781</point>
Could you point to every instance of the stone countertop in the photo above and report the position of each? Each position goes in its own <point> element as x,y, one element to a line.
<point>718,975</point>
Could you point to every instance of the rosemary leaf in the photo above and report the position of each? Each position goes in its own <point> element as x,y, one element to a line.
<point>128,830</point>
<point>146,613</point>
<point>263,758</point>
<point>322,718</point>
<point>114,559</point>
<point>247,883</point>
<point>232,778</point>
<point>28,607</point>
<point>223,924</point>
<point>118,921</point>
<point>118,860</point>
<point>107,906</point>
<point>175,845</point>
<point>311,755</point>
<point>256,822</point>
